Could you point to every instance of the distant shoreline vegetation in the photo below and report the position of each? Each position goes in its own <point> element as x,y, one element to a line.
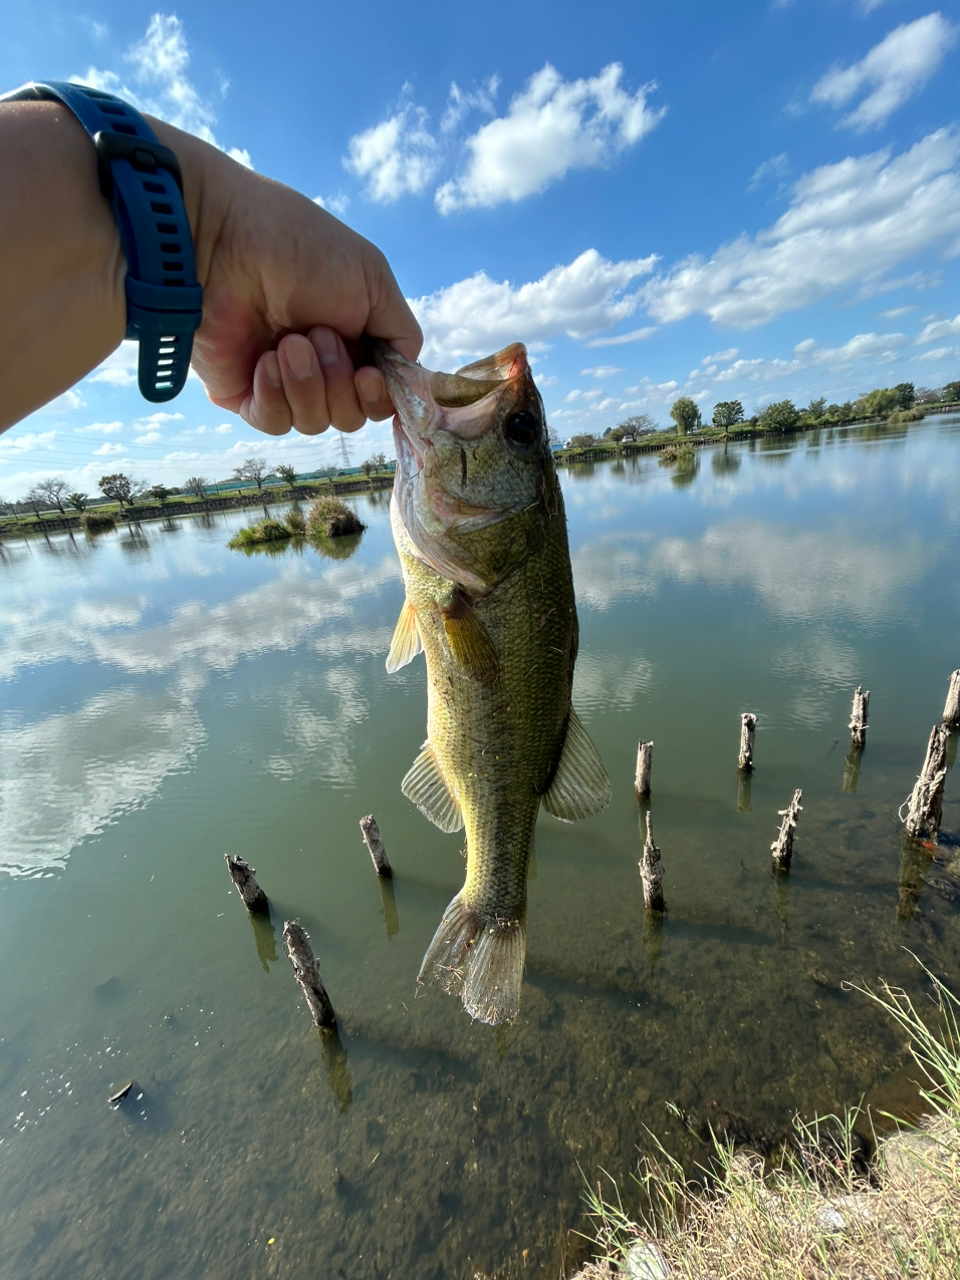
<point>328,518</point>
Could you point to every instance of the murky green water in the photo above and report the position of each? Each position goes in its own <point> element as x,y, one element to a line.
<point>164,701</point>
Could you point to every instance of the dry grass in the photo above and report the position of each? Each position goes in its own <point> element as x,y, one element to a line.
<point>815,1215</point>
<point>331,518</point>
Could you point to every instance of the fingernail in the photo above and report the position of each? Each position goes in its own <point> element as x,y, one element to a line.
<point>370,385</point>
<point>300,358</point>
<point>271,370</point>
<point>327,347</point>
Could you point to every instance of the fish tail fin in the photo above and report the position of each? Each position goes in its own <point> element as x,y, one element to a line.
<point>479,960</point>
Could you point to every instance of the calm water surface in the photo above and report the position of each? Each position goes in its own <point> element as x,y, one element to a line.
<point>164,701</point>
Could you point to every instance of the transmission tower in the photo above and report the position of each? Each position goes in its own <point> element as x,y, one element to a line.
<point>346,460</point>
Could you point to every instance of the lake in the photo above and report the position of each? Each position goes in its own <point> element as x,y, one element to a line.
<point>164,701</point>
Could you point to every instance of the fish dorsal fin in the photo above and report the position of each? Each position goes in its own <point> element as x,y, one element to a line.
<point>469,641</point>
<point>426,786</point>
<point>406,642</point>
<point>580,786</point>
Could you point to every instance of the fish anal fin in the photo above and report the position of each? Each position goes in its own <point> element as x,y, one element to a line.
<point>469,640</point>
<point>481,961</point>
<point>580,786</point>
<point>406,642</point>
<point>426,786</point>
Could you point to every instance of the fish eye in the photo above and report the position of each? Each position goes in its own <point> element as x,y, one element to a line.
<point>522,430</point>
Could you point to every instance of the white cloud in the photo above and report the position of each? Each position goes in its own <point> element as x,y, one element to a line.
<point>479,315</point>
<point>158,418</point>
<point>848,225</point>
<point>397,157</point>
<point>894,70</point>
<point>635,335</point>
<point>776,167</point>
<point>894,313</point>
<point>28,443</point>
<point>100,429</point>
<point>460,102</point>
<point>120,367</point>
<point>106,450</point>
<point>721,357</point>
<point>337,205</point>
<point>224,429</point>
<point>939,353</point>
<point>159,84</point>
<point>150,438</point>
<point>939,329</point>
<point>600,371</point>
<point>551,127</point>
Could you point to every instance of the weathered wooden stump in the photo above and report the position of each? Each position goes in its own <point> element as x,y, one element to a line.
<point>644,762</point>
<point>925,806</point>
<point>951,709</point>
<point>246,882</point>
<point>371,836</point>
<point>782,847</point>
<point>858,716</point>
<point>651,872</point>
<point>307,975</point>
<point>748,728</point>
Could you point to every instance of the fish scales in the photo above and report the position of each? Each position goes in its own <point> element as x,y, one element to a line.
<point>478,521</point>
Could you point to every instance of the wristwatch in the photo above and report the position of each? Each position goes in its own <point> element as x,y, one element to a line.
<point>142,181</point>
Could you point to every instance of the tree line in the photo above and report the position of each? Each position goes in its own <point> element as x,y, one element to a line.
<point>54,493</point>
<point>782,415</point>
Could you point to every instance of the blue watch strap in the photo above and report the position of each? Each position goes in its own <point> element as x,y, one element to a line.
<point>142,181</point>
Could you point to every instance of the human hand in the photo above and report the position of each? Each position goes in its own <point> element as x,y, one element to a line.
<point>288,293</point>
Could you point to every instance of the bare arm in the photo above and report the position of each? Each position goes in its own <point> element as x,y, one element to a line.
<point>286,286</point>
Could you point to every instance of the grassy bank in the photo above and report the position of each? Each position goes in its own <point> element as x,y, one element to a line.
<point>816,1209</point>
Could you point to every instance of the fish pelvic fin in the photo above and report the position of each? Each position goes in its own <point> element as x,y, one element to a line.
<point>469,640</point>
<point>479,960</point>
<point>426,786</point>
<point>406,642</point>
<point>580,786</point>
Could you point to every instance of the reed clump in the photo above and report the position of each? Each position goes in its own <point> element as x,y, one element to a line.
<point>680,455</point>
<point>331,518</point>
<point>817,1212</point>
<point>97,522</point>
<point>257,535</point>
<point>906,415</point>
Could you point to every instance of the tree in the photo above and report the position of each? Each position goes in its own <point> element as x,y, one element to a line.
<point>36,500</point>
<point>582,442</point>
<point>287,474</point>
<point>374,463</point>
<point>906,393</point>
<point>877,403</point>
<point>685,414</point>
<point>926,395</point>
<point>950,392</point>
<point>54,489</point>
<point>727,412</point>
<point>816,408</point>
<point>616,434</point>
<point>327,473</point>
<point>640,424</point>
<point>254,469</point>
<point>197,485</point>
<point>782,415</point>
<point>121,488</point>
<point>79,501</point>
<point>160,492</point>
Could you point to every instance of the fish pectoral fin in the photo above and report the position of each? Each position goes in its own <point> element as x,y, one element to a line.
<point>406,642</point>
<point>580,786</point>
<point>469,640</point>
<point>426,786</point>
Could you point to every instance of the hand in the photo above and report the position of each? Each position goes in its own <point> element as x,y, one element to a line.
<point>288,292</point>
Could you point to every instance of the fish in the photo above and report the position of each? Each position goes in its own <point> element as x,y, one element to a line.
<point>478,521</point>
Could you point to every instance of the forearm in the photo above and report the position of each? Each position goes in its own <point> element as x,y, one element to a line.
<point>61,259</point>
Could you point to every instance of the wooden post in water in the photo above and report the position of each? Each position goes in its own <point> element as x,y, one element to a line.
<point>651,872</point>
<point>748,727</point>
<point>246,882</point>
<point>925,806</point>
<point>371,836</point>
<point>644,762</point>
<point>782,847</point>
<point>858,717</point>
<point>951,710</point>
<point>307,975</point>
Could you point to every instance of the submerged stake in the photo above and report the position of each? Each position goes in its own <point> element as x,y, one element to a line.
<point>782,847</point>
<point>858,716</point>
<point>242,876</point>
<point>371,836</point>
<point>925,806</point>
<point>951,709</point>
<point>651,872</point>
<point>748,727</point>
<point>307,975</point>
<point>644,762</point>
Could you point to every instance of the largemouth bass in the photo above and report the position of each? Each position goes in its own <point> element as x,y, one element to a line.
<point>478,522</point>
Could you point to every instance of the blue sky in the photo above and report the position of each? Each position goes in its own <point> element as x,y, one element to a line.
<point>754,200</point>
